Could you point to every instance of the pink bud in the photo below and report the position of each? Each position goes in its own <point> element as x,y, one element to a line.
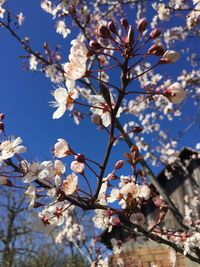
<point>95,45</point>
<point>5,181</point>
<point>170,56</point>
<point>175,93</point>
<point>124,23</point>
<point>156,49</point>
<point>155,33</point>
<point>37,204</point>
<point>96,119</point>
<point>80,158</point>
<point>130,35</point>
<point>137,129</point>
<point>2,116</point>
<point>142,25</point>
<point>119,164</point>
<point>2,127</point>
<point>103,32</point>
<point>58,57</point>
<point>112,27</point>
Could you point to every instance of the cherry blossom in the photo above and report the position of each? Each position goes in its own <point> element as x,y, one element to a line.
<point>101,108</point>
<point>61,148</point>
<point>77,167</point>
<point>175,93</point>
<point>103,219</point>
<point>62,29</point>
<point>64,101</point>
<point>11,147</point>
<point>70,184</point>
<point>76,68</point>
<point>38,171</point>
<point>171,56</point>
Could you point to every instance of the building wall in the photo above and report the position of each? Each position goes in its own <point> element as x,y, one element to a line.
<point>149,255</point>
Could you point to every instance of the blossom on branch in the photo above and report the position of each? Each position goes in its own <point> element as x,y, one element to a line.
<point>38,171</point>
<point>62,29</point>
<point>70,184</point>
<point>11,147</point>
<point>101,108</point>
<point>175,93</point>
<point>76,68</point>
<point>61,149</point>
<point>170,56</point>
<point>64,101</point>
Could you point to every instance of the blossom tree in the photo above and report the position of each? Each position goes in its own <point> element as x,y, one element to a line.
<point>114,75</point>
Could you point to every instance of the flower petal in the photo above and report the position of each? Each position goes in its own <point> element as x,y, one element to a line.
<point>59,112</point>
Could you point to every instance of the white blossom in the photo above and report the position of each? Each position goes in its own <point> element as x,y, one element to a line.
<point>61,148</point>
<point>33,62</point>
<point>175,93</point>
<point>101,108</point>
<point>62,29</point>
<point>64,101</point>
<point>11,147</point>
<point>70,184</point>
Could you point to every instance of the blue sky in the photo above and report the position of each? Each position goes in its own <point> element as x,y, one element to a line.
<point>25,95</point>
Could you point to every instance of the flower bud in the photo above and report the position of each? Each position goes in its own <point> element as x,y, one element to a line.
<point>1,126</point>
<point>175,93</point>
<point>45,45</point>
<point>2,116</point>
<point>137,218</point>
<point>95,45</point>
<point>156,49</point>
<point>124,23</point>
<point>112,27</point>
<point>5,181</point>
<point>58,57</point>
<point>170,56</point>
<point>130,35</point>
<point>103,32</point>
<point>90,53</point>
<point>142,25</point>
<point>155,33</point>
<point>119,164</point>
<point>37,204</point>
<point>137,129</point>
<point>96,119</point>
<point>80,158</point>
